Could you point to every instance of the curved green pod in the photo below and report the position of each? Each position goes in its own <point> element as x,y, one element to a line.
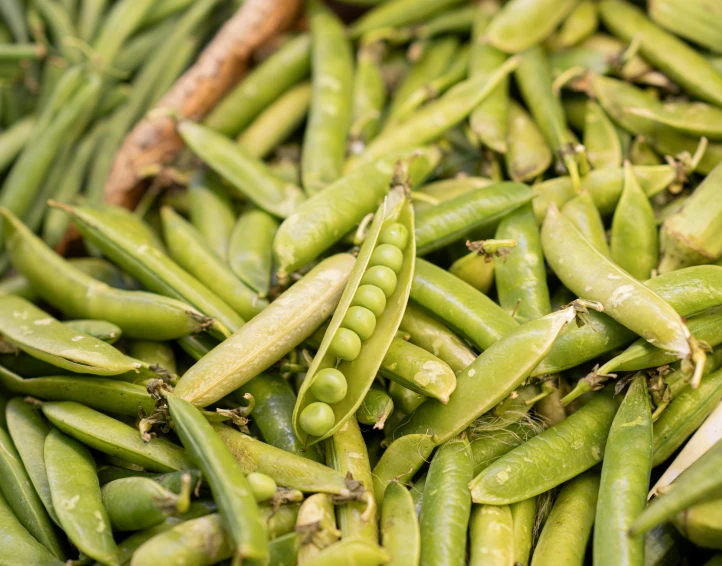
<point>19,546</point>
<point>398,13</point>
<point>269,336</point>
<point>360,372</point>
<point>400,534</point>
<point>401,460</point>
<point>250,249</point>
<point>137,503</point>
<point>491,535</point>
<point>211,211</point>
<point>376,407</point>
<point>702,524</point>
<point>100,329</point>
<point>369,96</point>
<point>601,139</point>
<point>585,216</point>
<point>528,154</point>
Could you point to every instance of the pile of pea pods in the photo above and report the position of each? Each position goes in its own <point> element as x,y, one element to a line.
<point>438,282</point>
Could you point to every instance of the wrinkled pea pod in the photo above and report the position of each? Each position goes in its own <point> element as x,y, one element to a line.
<point>547,460</point>
<point>363,326</point>
<point>285,468</point>
<point>376,407</point>
<point>112,437</point>
<point>211,211</point>
<point>236,502</point>
<point>76,497</point>
<point>628,455</point>
<point>249,176</point>
<point>528,154</point>
<point>250,249</point>
<point>585,216</point>
<point>489,379</point>
<point>135,252</point>
<point>491,535</point>
<point>282,326</point>
<point>318,224</point>
<point>446,507</point>
<point>400,534</point>
<point>400,462</point>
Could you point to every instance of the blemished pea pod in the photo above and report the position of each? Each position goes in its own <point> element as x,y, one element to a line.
<point>692,235</point>
<point>285,468</point>
<point>591,275</point>
<point>534,78</point>
<point>369,96</point>
<point>399,13</point>
<point>601,140</point>
<point>700,482</point>
<point>137,503</point>
<point>459,305</point>
<point>446,507</point>
<point>19,492</point>
<point>277,122</point>
<point>438,116</point>
<point>187,247</point>
<point>354,549</point>
<point>318,225</point>
<point>521,282</point>
<point>400,535</point>
<point>605,186</point>
<point>28,430</point>
<point>693,118</point>
<point>582,212</point>
<point>521,24</point>
<point>491,536</point>
<point>154,353</point>
<point>250,249</point>
<point>489,121</point>
<point>135,252</point>
<point>264,84</point>
<point>231,491</point>
<point>528,154</point>
<point>249,176</point>
<point>625,479</point>
<point>681,62</point>
<point>563,540</point>
<point>418,370</point>
<point>486,374</point>
<point>457,218</point>
<point>392,228</point>
<point>702,524</point>
<point>329,117</point>
<point>401,460</point>
<point>273,413</point>
<point>523,515</point>
<point>19,546</point>
<point>198,542</point>
<point>34,331</point>
<point>317,517</point>
<point>76,497</point>
<point>550,458</point>
<point>684,415</point>
<point>634,242</point>
<point>100,329</point>
<point>282,326</point>
<point>112,437</point>
<point>211,211</point>
<point>431,335</point>
<point>376,407</point>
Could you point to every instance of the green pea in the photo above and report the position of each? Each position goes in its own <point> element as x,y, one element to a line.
<point>370,297</point>
<point>395,234</point>
<point>361,320</point>
<point>382,277</point>
<point>262,486</point>
<point>317,419</point>
<point>329,386</point>
<point>389,256</point>
<point>346,345</point>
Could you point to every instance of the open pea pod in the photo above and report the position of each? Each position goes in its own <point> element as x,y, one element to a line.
<point>392,224</point>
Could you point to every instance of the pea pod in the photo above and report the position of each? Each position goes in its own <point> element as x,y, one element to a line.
<point>76,497</point>
<point>211,211</point>
<point>14,139</point>
<point>369,96</point>
<point>398,13</point>
<point>446,507</point>
<point>487,446</point>
<point>693,118</point>
<point>584,215</point>
<point>250,249</point>
<point>491,535</point>
<point>528,154</point>
<point>283,325</point>
<point>491,375</point>
<point>375,408</point>
<point>567,449</point>
<point>628,455</point>
<point>359,550</point>
<point>455,20</point>
<point>401,460</point>
<point>18,544</point>
<point>400,534</point>
<point>115,438</point>
<point>701,523</point>
<point>316,226</point>
<point>601,140</point>
<point>523,514</point>
<point>317,520</point>
<point>563,540</point>
<point>154,353</point>
<point>446,189</point>
<point>394,222</point>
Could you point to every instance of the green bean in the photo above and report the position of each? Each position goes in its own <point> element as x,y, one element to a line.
<point>400,534</point>
<point>375,408</point>
<point>115,438</point>
<point>135,252</point>
<point>76,497</point>
<point>398,13</point>
<point>211,211</point>
<point>282,70</point>
<point>625,479</point>
<point>601,140</point>
<point>401,460</point>
<point>287,322</point>
<point>528,154</point>
<point>250,249</point>
<point>563,539</point>
<point>447,505</point>
<point>13,140</point>
<point>549,459</point>
<point>277,122</point>
<point>19,546</point>
<point>316,226</point>
<point>491,535</point>
<point>582,213</point>
<point>369,96</point>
